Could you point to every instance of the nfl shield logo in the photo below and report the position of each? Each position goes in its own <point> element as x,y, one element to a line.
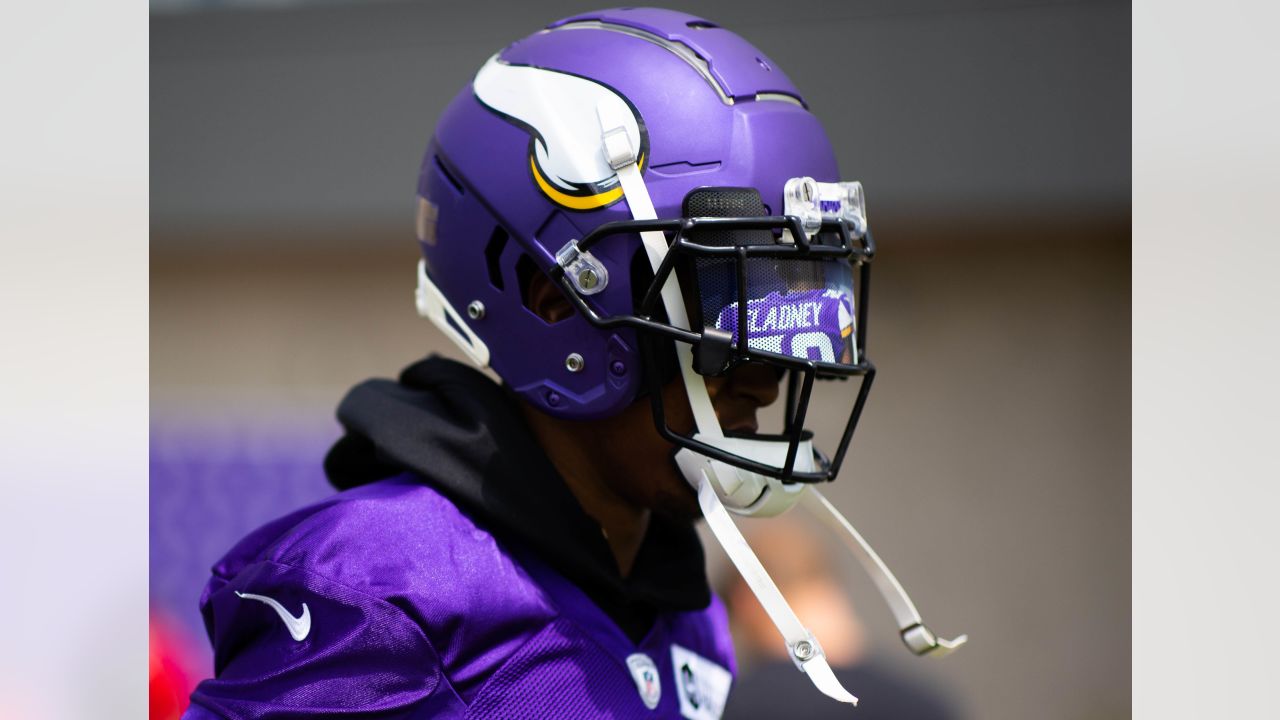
<point>645,673</point>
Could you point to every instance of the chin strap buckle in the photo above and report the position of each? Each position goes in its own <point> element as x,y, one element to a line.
<point>617,147</point>
<point>922,641</point>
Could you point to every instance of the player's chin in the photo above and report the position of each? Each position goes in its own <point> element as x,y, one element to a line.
<point>676,499</point>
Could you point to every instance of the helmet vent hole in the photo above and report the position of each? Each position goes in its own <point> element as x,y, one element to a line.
<point>539,295</point>
<point>764,64</point>
<point>492,253</point>
<point>701,24</point>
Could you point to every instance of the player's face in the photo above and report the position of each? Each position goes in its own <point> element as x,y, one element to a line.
<point>646,473</point>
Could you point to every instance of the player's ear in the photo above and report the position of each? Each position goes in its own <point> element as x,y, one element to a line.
<point>544,299</point>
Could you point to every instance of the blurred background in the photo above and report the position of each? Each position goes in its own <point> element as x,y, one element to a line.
<point>992,466</point>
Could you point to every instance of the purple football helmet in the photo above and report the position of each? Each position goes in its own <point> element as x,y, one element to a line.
<point>526,173</point>
<point>669,178</point>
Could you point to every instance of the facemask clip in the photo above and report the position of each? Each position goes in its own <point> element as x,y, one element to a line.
<point>588,275</point>
<point>713,352</point>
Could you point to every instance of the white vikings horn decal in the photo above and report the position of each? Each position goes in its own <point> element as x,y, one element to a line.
<point>559,112</point>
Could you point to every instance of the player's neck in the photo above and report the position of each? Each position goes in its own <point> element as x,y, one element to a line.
<point>622,522</point>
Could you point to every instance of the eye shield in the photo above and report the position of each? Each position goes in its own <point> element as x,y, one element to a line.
<point>793,307</point>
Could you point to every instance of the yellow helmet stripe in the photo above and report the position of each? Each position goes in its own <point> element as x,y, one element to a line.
<point>574,202</point>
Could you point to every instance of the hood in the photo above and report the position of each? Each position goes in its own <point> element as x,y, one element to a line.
<point>464,435</point>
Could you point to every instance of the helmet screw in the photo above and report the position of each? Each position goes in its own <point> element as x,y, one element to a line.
<point>588,279</point>
<point>553,398</point>
<point>574,363</point>
<point>475,310</point>
<point>803,650</point>
<point>617,368</point>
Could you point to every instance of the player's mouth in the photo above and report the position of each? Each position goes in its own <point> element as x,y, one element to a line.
<point>742,428</point>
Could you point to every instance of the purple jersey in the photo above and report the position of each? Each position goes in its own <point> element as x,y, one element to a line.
<point>469,583</point>
<point>388,600</point>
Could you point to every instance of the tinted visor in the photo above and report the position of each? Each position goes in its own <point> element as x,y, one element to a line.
<point>801,308</point>
<point>793,308</point>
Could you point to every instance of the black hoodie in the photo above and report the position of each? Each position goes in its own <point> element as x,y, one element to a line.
<point>464,435</point>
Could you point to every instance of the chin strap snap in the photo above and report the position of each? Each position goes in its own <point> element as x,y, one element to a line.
<point>917,637</point>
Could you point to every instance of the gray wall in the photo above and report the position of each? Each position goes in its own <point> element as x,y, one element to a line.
<point>319,116</point>
<point>992,466</point>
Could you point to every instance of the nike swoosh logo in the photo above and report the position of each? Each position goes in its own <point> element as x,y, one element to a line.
<point>299,627</point>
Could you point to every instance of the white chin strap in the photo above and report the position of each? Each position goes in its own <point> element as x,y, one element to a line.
<point>723,488</point>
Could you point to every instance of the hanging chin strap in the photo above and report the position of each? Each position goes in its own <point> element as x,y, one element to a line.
<point>802,646</point>
<point>918,638</point>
